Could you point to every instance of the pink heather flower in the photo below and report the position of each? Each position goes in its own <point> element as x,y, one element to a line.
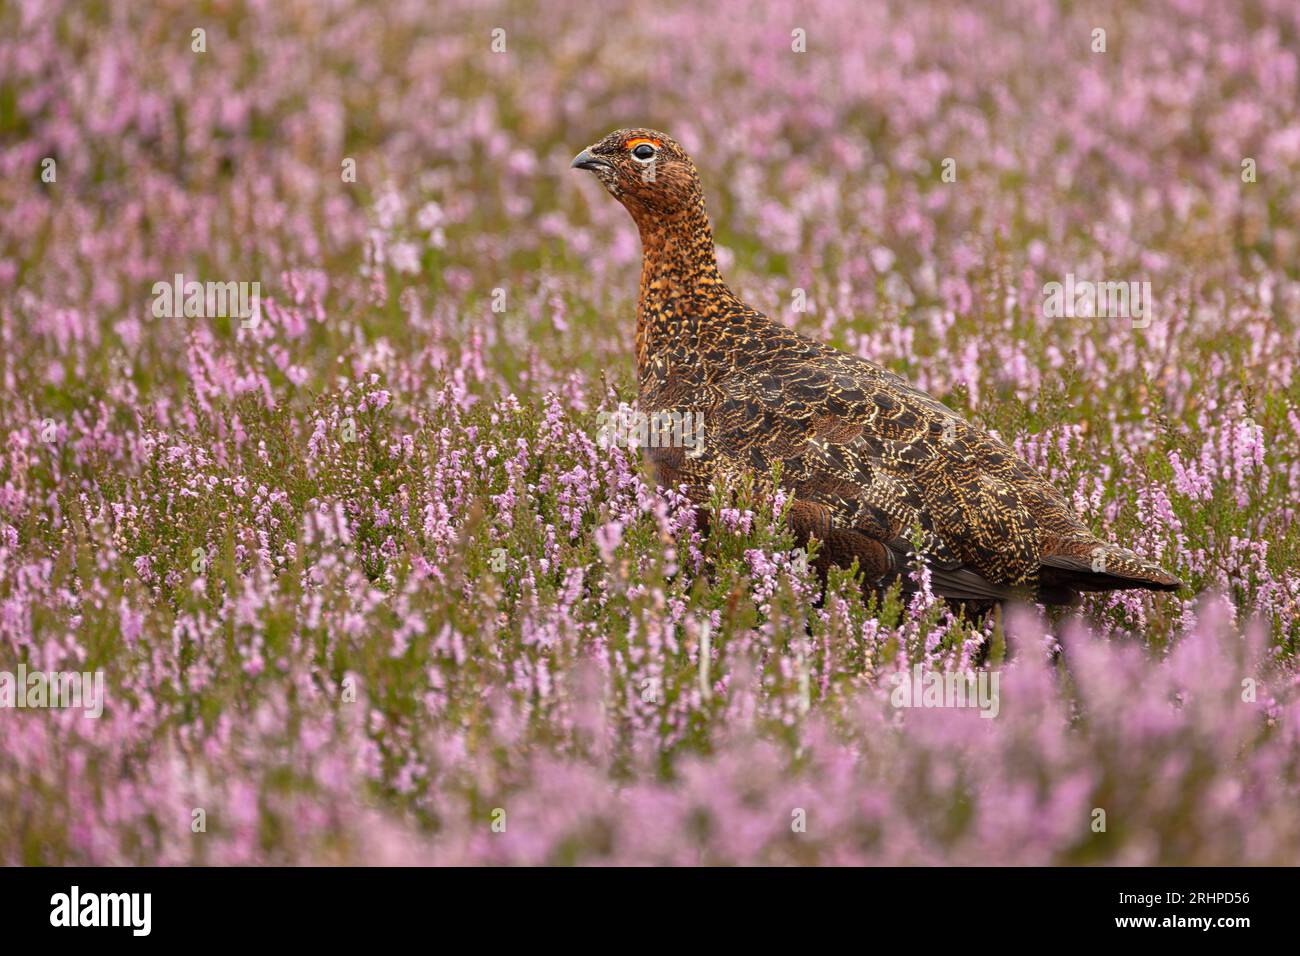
<point>608,538</point>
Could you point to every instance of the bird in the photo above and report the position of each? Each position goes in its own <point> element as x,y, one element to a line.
<point>880,473</point>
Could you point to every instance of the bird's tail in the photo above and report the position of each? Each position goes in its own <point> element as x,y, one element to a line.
<point>1092,565</point>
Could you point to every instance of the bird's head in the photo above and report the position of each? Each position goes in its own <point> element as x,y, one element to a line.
<point>647,171</point>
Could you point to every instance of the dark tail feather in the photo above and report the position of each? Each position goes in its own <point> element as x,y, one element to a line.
<point>1104,567</point>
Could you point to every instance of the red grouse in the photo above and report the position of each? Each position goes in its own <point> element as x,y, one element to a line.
<point>869,460</point>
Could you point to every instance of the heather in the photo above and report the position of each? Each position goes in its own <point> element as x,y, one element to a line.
<point>364,583</point>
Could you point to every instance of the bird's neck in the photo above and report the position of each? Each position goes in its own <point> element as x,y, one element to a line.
<point>679,271</point>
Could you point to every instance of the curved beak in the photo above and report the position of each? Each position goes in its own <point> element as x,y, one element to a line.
<point>585,160</point>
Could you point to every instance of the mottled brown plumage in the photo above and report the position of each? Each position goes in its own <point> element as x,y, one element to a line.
<point>869,459</point>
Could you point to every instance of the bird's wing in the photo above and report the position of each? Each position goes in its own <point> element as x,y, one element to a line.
<point>890,460</point>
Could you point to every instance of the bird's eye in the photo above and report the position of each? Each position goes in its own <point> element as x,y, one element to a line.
<point>645,152</point>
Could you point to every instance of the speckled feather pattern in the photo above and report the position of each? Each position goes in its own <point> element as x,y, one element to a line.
<point>870,461</point>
